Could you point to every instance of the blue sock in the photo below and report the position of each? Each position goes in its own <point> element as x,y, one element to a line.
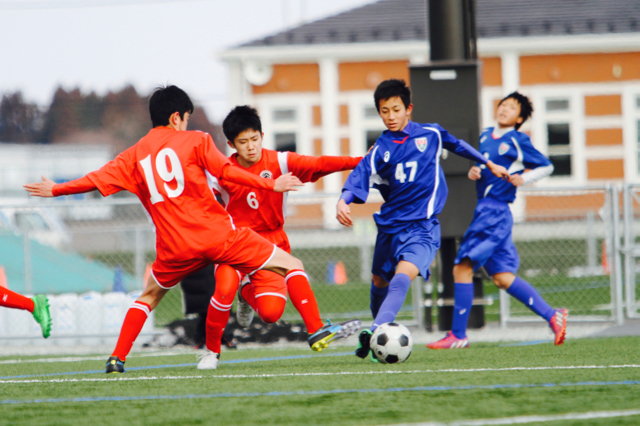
<point>377,297</point>
<point>463,293</point>
<point>524,292</point>
<point>398,288</point>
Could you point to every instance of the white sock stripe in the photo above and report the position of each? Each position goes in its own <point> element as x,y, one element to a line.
<point>271,294</point>
<point>142,307</point>
<point>219,306</point>
<point>295,273</point>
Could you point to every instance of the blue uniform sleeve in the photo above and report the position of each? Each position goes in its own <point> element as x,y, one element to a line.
<point>531,157</point>
<point>358,181</point>
<point>461,148</point>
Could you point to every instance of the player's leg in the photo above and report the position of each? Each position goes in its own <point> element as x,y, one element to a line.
<point>398,289</point>
<point>379,290</point>
<point>133,322</point>
<point>38,306</point>
<point>227,282</point>
<point>529,296</point>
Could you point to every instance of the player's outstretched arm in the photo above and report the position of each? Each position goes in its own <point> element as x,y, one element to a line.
<point>40,189</point>
<point>287,182</point>
<point>474,173</point>
<point>498,171</point>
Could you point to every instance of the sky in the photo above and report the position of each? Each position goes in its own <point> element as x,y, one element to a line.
<point>102,45</point>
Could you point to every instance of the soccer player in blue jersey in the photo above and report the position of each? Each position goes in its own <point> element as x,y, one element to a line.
<point>404,165</point>
<point>488,241</point>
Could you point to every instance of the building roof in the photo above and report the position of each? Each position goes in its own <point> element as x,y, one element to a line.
<point>403,20</point>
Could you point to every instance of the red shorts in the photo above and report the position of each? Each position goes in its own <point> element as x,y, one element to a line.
<point>242,248</point>
<point>267,283</point>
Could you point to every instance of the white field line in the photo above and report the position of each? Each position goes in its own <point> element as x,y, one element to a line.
<point>340,373</point>
<point>532,419</point>
<point>88,358</point>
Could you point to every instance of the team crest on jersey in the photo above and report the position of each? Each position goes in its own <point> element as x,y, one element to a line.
<point>266,174</point>
<point>504,147</point>
<point>421,144</point>
<point>387,155</point>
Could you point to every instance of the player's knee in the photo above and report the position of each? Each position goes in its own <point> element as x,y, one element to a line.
<point>271,314</point>
<point>462,273</point>
<point>296,263</point>
<point>379,281</point>
<point>501,282</point>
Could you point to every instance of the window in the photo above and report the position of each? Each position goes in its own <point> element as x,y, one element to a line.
<point>371,112</point>
<point>372,137</point>
<point>557,124</point>
<point>285,142</point>
<point>284,115</point>
<point>559,148</point>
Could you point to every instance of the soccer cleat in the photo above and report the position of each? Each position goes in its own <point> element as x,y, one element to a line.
<point>41,313</point>
<point>208,360</point>
<point>450,341</point>
<point>330,332</point>
<point>558,324</point>
<point>244,311</point>
<point>364,344</point>
<point>114,365</point>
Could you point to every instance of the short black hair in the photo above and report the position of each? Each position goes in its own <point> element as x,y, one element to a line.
<point>167,100</point>
<point>526,108</point>
<point>240,119</point>
<point>390,89</point>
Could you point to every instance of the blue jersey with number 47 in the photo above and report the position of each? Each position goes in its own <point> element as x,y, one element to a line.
<point>405,167</point>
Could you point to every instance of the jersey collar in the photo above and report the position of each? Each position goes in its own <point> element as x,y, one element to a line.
<point>401,136</point>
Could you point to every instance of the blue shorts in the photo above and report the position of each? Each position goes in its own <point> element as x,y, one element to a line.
<point>488,240</point>
<point>417,244</point>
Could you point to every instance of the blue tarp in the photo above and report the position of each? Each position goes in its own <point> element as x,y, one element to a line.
<point>54,271</point>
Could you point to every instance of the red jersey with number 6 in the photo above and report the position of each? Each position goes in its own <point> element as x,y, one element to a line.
<point>166,170</point>
<point>266,210</point>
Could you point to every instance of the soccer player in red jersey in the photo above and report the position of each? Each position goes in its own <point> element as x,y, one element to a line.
<point>37,305</point>
<point>168,171</point>
<point>265,212</point>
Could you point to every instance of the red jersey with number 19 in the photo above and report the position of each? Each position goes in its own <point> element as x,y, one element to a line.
<point>166,170</point>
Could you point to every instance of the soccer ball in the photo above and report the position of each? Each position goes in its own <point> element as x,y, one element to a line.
<point>391,343</point>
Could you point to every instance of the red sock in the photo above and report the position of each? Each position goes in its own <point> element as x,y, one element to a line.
<point>249,295</point>
<point>217,319</point>
<point>303,299</point>
<point>133,322</point>
<point>270,308</point>
<point>227,282</point>
<point>11,299</point>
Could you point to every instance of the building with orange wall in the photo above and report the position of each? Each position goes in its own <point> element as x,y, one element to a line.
<point>578,61</point>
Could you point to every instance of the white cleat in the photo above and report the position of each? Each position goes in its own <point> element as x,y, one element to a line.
<point>244,311</point>
<point>208,360</point>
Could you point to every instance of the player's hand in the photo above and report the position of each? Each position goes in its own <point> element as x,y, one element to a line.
<point>516,180</point>
<point>287,182</point>
<point>498,171</point>
<point>40,189</point>
<point>344,213</point>
<point>474,173</point>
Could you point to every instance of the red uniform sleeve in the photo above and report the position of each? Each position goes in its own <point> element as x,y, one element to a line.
<point>115,176</point>
<point>77,186</point>
<point>219,166</point>
<point>310,169</point>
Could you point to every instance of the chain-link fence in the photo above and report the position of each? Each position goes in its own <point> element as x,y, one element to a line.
<point>565,240</point>
<point>631,249</point>
<point>92,258</point>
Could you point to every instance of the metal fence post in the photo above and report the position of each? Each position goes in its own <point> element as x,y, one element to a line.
<point>418,300</point>
<point>139,256</point>
<point>616,264</point>
<point>26,246</point>
<point>505,303</point>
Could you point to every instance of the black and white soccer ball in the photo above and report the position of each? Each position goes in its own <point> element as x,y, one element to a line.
<point>391,343</point>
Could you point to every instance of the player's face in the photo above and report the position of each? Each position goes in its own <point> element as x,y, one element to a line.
<point>508,113</point>
<point>249,147</point>
<point>394,114</point>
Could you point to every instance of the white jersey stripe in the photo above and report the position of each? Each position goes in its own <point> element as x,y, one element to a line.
<point>517,165</point>
<point>432,201</point>
<point>213,184</point>
<point>283,158</point>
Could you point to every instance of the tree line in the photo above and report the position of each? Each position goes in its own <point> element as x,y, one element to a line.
<point>119,119</point>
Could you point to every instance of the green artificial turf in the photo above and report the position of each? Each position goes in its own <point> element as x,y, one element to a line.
<point>248,393</point>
